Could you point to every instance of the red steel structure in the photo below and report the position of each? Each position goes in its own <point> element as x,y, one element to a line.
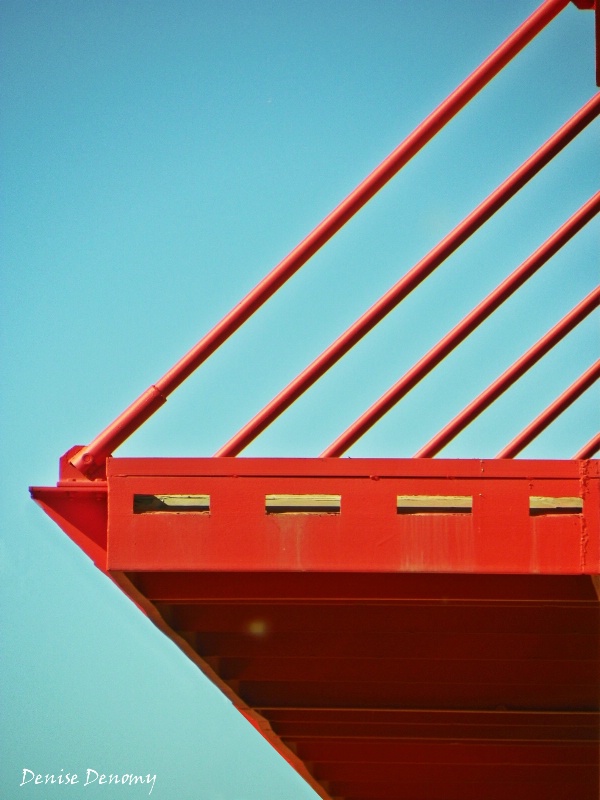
<point>396,628</point>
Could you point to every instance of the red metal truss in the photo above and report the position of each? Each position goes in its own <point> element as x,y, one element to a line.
<point>398,629</point>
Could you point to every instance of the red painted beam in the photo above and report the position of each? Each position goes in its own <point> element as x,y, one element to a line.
<point>437,724</point>
<point>367,534</point>
<point>453,646</point>
<point>377,616</point>
<point>589,449</point>
<point>244,587</point>
<point>369,754</point>
<point>494,786</point>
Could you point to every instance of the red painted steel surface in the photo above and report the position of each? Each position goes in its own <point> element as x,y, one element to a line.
<point>368,534</point>
<point>387,656</point>
<point>590,448</point>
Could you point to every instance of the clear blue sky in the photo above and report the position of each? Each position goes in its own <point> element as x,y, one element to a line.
<point>157,160</point>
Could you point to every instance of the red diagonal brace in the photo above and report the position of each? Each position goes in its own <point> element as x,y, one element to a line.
<point>512,374</point>
<point>90,460</point>
<point>464,328</point>
<point>589,449</point>
<point>554,410</point>
<point>412,279</point>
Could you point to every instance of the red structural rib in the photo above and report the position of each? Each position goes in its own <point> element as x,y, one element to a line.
<point>553,411</point>
<point>90,459</point>
<point>589,449</point>
<point>412,278</point>
<point>460,332</point>
<point>512,374</point>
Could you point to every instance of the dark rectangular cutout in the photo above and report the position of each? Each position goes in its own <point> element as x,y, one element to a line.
<point>433,504</point>
<point>542,506</point>
<point>303,503</point>
<point>174,503</point>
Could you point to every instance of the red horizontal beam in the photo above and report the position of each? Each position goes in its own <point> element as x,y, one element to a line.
<point>412,279</point>
<point>389,753</point>
<point>576,696</point>
<point>464,328</point>
<point>498,534</point>
<point>451,772</point>
<point>494,786</point>
<point>249,587</point>
<point>543,645</point>
<point>478,672</point>
<point>323,724</point>
<point>380,616</point>
<point>511,375</point>
<point>554,410</point>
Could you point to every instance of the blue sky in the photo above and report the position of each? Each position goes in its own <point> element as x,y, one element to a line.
<point>157,160</point>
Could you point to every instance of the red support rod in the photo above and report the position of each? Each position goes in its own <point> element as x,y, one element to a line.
<point>90,459</point>
<point>413,278</point>
<point>553,411</point>
<point>512,374</point>
<point>589,449</point>
<point>464,328</point>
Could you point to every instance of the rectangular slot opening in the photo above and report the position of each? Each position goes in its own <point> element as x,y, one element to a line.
<point>177,503</point>
<point>303,503</point>
<point>541,506</point>
<point>433,504</point>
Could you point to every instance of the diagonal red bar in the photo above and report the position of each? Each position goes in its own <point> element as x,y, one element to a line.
<point>464,328</point>
<point>90,459</point>
<point>589,449</point>
<point>553,411</point>
<point>511,375</point>
<point>412,278</point>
